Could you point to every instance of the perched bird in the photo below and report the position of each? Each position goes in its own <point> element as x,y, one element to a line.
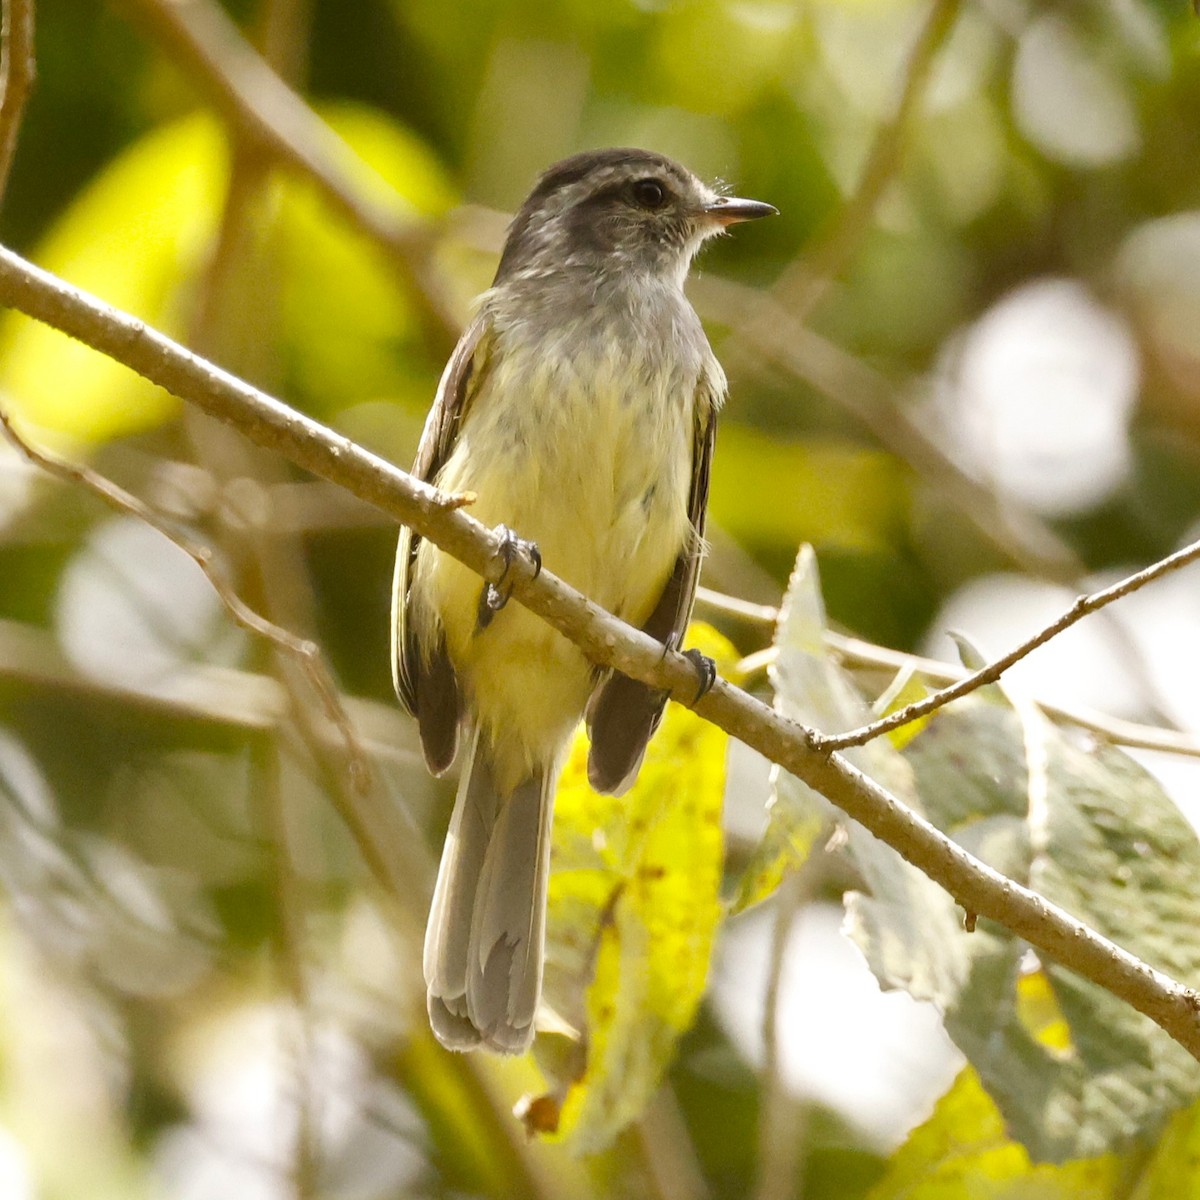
<point>579,408</point>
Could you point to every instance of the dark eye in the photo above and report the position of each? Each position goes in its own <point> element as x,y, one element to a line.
<point>649,193</point>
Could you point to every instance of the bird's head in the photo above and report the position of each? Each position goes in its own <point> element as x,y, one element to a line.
<point>623,211</point>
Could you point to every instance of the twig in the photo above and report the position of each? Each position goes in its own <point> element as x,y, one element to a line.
<point>858,653</point>
<point>732,606</point>
<point>220,696</point>
<point>17,74</point>
<point>993,670</point>
<point>605,639</point>
<point>801,287</point>
<point>243,87</point>
<point>306,653</point>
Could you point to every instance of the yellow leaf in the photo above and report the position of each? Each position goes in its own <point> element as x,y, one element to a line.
<point>769,491</point>
<point>907,688</point>
<point>963,1153</point>
<point>135,237</point>
<point>634,907</point>
<point>348,326</point>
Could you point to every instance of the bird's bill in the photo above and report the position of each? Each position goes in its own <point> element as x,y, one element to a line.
<point>729,210</point>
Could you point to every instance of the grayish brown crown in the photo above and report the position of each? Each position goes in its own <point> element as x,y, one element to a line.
<point>625,211</point>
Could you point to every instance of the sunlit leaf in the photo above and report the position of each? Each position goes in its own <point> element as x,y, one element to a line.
<point>348,323</point>
<point>634,906</point>
<point>904,690</point>
<point>963,1152</point>
<point>135,237</point>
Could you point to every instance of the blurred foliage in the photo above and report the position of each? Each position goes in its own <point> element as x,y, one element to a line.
<point>210,948</point>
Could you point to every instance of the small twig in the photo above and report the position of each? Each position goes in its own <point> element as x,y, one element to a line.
<point>1082,607</point>
<point>606,640</point>
<point>732,606</point>
<point>855,652</point>
<point>801,287</point>
<point>17,74</point>
<point>244,88</point>
<point>305,652</point>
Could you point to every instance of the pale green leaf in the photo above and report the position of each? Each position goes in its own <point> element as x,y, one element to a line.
<point>1087,828</point>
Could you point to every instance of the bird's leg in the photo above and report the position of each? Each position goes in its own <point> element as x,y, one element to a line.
<point>705,668</point>
<point>495,595</point>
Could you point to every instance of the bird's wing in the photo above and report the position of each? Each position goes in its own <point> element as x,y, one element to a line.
<point>423,675</point>
<point>623,713</point>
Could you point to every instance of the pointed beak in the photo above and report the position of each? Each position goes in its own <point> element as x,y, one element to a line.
<point>729,210</point>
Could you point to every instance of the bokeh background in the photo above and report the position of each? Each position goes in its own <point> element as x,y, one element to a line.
<point>965,367</point>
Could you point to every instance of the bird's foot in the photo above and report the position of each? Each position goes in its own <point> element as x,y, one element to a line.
<point>495,595</point>
<point>705,668</point>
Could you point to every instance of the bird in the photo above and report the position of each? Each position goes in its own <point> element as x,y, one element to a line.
<point>579,411</point>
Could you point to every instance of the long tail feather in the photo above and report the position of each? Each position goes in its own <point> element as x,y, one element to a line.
<point>483,945</point>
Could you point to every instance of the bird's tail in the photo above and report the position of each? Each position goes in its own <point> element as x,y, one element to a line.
<point>483,944</point>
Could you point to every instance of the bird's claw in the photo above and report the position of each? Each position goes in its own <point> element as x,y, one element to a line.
<point>495,595</point>
<point>705,668</point>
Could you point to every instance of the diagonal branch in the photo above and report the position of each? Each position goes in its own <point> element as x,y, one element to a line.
<point>606,640</point>
<point>804,283</point>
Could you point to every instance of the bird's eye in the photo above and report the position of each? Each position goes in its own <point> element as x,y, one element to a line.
<point>649,193</point>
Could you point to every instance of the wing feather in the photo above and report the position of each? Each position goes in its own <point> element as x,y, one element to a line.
<point>423,676</point>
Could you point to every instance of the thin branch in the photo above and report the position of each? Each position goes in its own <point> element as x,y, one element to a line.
<point>604,639</point>
<point>306,653</point>
<point>732,606</point>
<point>1082,607</point>
<point>261,106</point>
<point>221,696</point>
<point>801,287</point>
<point>17,74</point>
<point>856,653</point>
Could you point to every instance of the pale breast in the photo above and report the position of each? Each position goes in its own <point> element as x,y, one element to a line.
<point>581,439</point>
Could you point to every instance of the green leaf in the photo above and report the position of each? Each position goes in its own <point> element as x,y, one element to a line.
<point>633,911</point>
<point>1082,825</point>
<point>1086,827</point>
<point>135,237</point>
<point>810,687</point>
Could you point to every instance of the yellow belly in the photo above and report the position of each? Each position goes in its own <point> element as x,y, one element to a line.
<point>601,484</point>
